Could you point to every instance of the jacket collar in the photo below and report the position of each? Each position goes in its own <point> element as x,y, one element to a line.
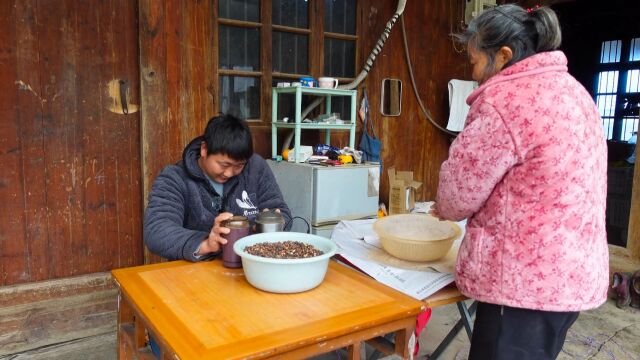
<point>190,156</point>
<point>534,64</point>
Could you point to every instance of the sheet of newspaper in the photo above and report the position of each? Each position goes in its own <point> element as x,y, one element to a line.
<point>359,244</point>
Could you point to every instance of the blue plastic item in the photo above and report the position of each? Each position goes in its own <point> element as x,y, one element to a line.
<point>369,144</point>
<point>308,82</point>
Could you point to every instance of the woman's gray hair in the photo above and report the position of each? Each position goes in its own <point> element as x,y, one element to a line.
<point>525,32</point>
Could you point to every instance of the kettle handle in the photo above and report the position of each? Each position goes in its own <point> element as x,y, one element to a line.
<point>288,224</point>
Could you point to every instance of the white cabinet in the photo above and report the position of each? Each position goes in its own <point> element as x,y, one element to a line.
<point>324,195</point>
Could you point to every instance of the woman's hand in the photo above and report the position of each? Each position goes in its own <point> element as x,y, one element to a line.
<point>216,236</point>
<point>434,211</point>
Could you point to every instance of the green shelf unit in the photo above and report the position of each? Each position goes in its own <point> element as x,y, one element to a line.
<point>298,125</point>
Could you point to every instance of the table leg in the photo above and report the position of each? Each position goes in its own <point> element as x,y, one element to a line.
<point>125,316</point>
<point>131,333</point>
<point>465,320</point>
<point>392,343</point>
<point>402,342</point>
<point>354,351</point>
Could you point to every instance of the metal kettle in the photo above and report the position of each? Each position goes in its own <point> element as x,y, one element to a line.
<point>269,221</point>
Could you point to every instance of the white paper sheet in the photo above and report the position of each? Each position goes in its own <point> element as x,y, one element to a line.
<point>359,244</point>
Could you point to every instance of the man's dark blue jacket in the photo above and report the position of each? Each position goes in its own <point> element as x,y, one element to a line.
<point>183,204</point>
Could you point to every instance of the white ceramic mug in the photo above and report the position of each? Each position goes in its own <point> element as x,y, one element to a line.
<point>328,82</point>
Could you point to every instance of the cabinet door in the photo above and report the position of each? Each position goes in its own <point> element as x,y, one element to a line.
<point>341,193</point>
<point>296,184</point>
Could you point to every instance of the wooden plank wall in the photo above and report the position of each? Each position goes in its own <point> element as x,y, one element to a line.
<point>633,242</point>
<point>176,79</point>
<point>176,76</point>
<point>410,142</point>
<point>59,319</point>
<point>177,72</point>
<point>70,179</point>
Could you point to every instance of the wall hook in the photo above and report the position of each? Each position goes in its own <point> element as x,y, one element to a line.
<point>123,96</point>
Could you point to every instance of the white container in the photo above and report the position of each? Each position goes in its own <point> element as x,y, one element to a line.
<point>285,275</point>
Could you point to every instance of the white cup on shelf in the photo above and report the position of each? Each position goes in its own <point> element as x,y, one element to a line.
<point>327,82</point>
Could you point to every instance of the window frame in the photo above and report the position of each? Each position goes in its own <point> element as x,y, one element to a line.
<point>315,52</point>
<point>623,67</point>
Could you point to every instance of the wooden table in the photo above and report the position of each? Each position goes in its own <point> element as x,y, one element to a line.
<point>205,311</point>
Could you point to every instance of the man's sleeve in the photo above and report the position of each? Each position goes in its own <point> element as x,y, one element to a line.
<point>164,233</point>
<point>478,160</point>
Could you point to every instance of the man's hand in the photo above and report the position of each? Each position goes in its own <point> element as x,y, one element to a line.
<point>216,236</point>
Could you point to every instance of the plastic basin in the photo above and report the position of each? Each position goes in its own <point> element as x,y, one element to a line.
<point>285,275</point>
<point>416,237</point>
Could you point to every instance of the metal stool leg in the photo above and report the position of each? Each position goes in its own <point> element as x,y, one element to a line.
<point>465,316</point>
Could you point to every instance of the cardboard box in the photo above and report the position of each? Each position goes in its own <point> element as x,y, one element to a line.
<point>402,191</point>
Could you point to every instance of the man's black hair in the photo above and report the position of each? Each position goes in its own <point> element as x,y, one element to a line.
<point>226,134</point>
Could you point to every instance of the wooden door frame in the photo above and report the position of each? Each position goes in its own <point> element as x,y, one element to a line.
<point>633,239</point>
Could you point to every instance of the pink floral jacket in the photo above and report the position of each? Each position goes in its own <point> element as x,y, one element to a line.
<point>529,173</point>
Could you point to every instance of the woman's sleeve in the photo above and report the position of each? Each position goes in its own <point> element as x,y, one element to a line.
<point>478,160</point>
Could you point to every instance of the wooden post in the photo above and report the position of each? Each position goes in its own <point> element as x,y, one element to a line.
<point>633,239</point>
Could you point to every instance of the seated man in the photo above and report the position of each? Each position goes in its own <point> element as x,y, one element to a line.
<point>219,176</point>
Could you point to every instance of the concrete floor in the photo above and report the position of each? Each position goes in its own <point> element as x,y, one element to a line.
<point>606,333</point>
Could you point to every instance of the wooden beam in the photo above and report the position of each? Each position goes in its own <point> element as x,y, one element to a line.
<point>102,346</point>
<point>38,316</point>
<point>633,240</point>
<point>266,63</point>
<point>620,260</point>
<point>178,81</point>
<point>156,147</point>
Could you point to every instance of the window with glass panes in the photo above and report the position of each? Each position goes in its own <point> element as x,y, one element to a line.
<point>261,43</point>
<point>618,88</point>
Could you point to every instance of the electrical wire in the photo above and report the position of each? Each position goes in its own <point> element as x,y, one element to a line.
<point>451,21</point>
<point>367,67</point>
<point>363,73</point>
<point>413,82</point>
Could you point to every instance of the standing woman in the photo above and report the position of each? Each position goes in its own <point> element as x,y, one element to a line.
<point>529,173</point>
